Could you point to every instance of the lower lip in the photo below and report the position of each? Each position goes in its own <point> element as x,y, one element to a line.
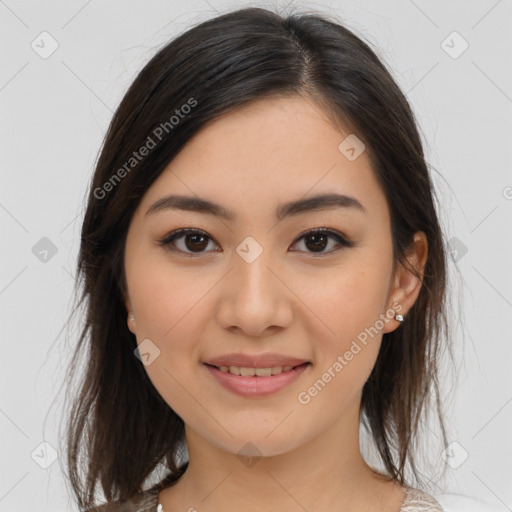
<point>256,386</point>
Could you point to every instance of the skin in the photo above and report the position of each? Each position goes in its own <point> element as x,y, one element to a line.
<point>289,300</point>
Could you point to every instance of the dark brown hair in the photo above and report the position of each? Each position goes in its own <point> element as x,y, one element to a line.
<point>119,428</point>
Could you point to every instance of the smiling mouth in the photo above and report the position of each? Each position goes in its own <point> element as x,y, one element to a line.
<point>256,372</point>
<point>251,382</point>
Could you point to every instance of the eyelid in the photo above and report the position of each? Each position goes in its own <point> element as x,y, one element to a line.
<point>342,240</point>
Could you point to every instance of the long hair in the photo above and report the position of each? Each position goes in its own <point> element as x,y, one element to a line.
<point>119,429</point>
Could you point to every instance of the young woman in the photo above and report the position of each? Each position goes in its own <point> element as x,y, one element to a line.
<point>264,274</point>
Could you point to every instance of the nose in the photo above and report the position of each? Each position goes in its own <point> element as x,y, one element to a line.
<point>254,297</point>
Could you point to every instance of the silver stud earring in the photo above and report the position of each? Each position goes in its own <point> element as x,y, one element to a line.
<point>399,317</point>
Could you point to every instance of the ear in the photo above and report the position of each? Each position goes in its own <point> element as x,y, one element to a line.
<point>131,318</point>
<point>406,286</point>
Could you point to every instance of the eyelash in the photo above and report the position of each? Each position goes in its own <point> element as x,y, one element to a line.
<point>179,233</point>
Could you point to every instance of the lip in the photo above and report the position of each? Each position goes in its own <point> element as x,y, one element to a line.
<point>255,361</point>
<point>255,387</point>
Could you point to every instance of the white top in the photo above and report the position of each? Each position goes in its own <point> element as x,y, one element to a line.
<point>458,503</point>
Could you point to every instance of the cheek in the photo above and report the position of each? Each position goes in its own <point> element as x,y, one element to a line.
<point>347,351</point>
<point>167,311</point>
<point>350,300</point>
<point>349,305</point>
<point>167,301</point>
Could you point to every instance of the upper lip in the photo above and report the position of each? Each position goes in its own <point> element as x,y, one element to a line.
<point>255,361</point>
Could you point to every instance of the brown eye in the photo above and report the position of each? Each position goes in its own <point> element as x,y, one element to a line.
<point>191,241</point>
<point>316,241</point>
<point>195,242</point>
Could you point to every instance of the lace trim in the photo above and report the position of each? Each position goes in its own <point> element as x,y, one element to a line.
<point>419,501</point>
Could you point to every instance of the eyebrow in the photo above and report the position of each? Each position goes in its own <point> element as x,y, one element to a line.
<point>200,205</point>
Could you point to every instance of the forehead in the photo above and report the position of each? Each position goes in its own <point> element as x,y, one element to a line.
<point>270,151</point>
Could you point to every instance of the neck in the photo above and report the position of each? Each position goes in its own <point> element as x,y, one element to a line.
<point>327,473</point>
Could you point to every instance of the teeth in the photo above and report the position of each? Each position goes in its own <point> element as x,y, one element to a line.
<point>251,372</point>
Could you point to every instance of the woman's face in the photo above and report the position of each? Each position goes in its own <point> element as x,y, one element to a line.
<point>251,283</point>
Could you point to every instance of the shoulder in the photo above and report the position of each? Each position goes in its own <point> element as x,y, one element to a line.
<point>459,503</point>
<point>145,501</point>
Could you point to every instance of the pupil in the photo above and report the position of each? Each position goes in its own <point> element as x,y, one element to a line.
<point>316,238</point>
<point>195,245</point>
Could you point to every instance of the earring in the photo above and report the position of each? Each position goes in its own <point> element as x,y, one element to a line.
<point>131,317</point>
<point>399,317</point>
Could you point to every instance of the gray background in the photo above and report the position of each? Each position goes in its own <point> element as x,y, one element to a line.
<point>55,111</point>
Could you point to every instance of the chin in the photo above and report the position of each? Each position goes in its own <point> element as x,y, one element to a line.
<point>253,446</point>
